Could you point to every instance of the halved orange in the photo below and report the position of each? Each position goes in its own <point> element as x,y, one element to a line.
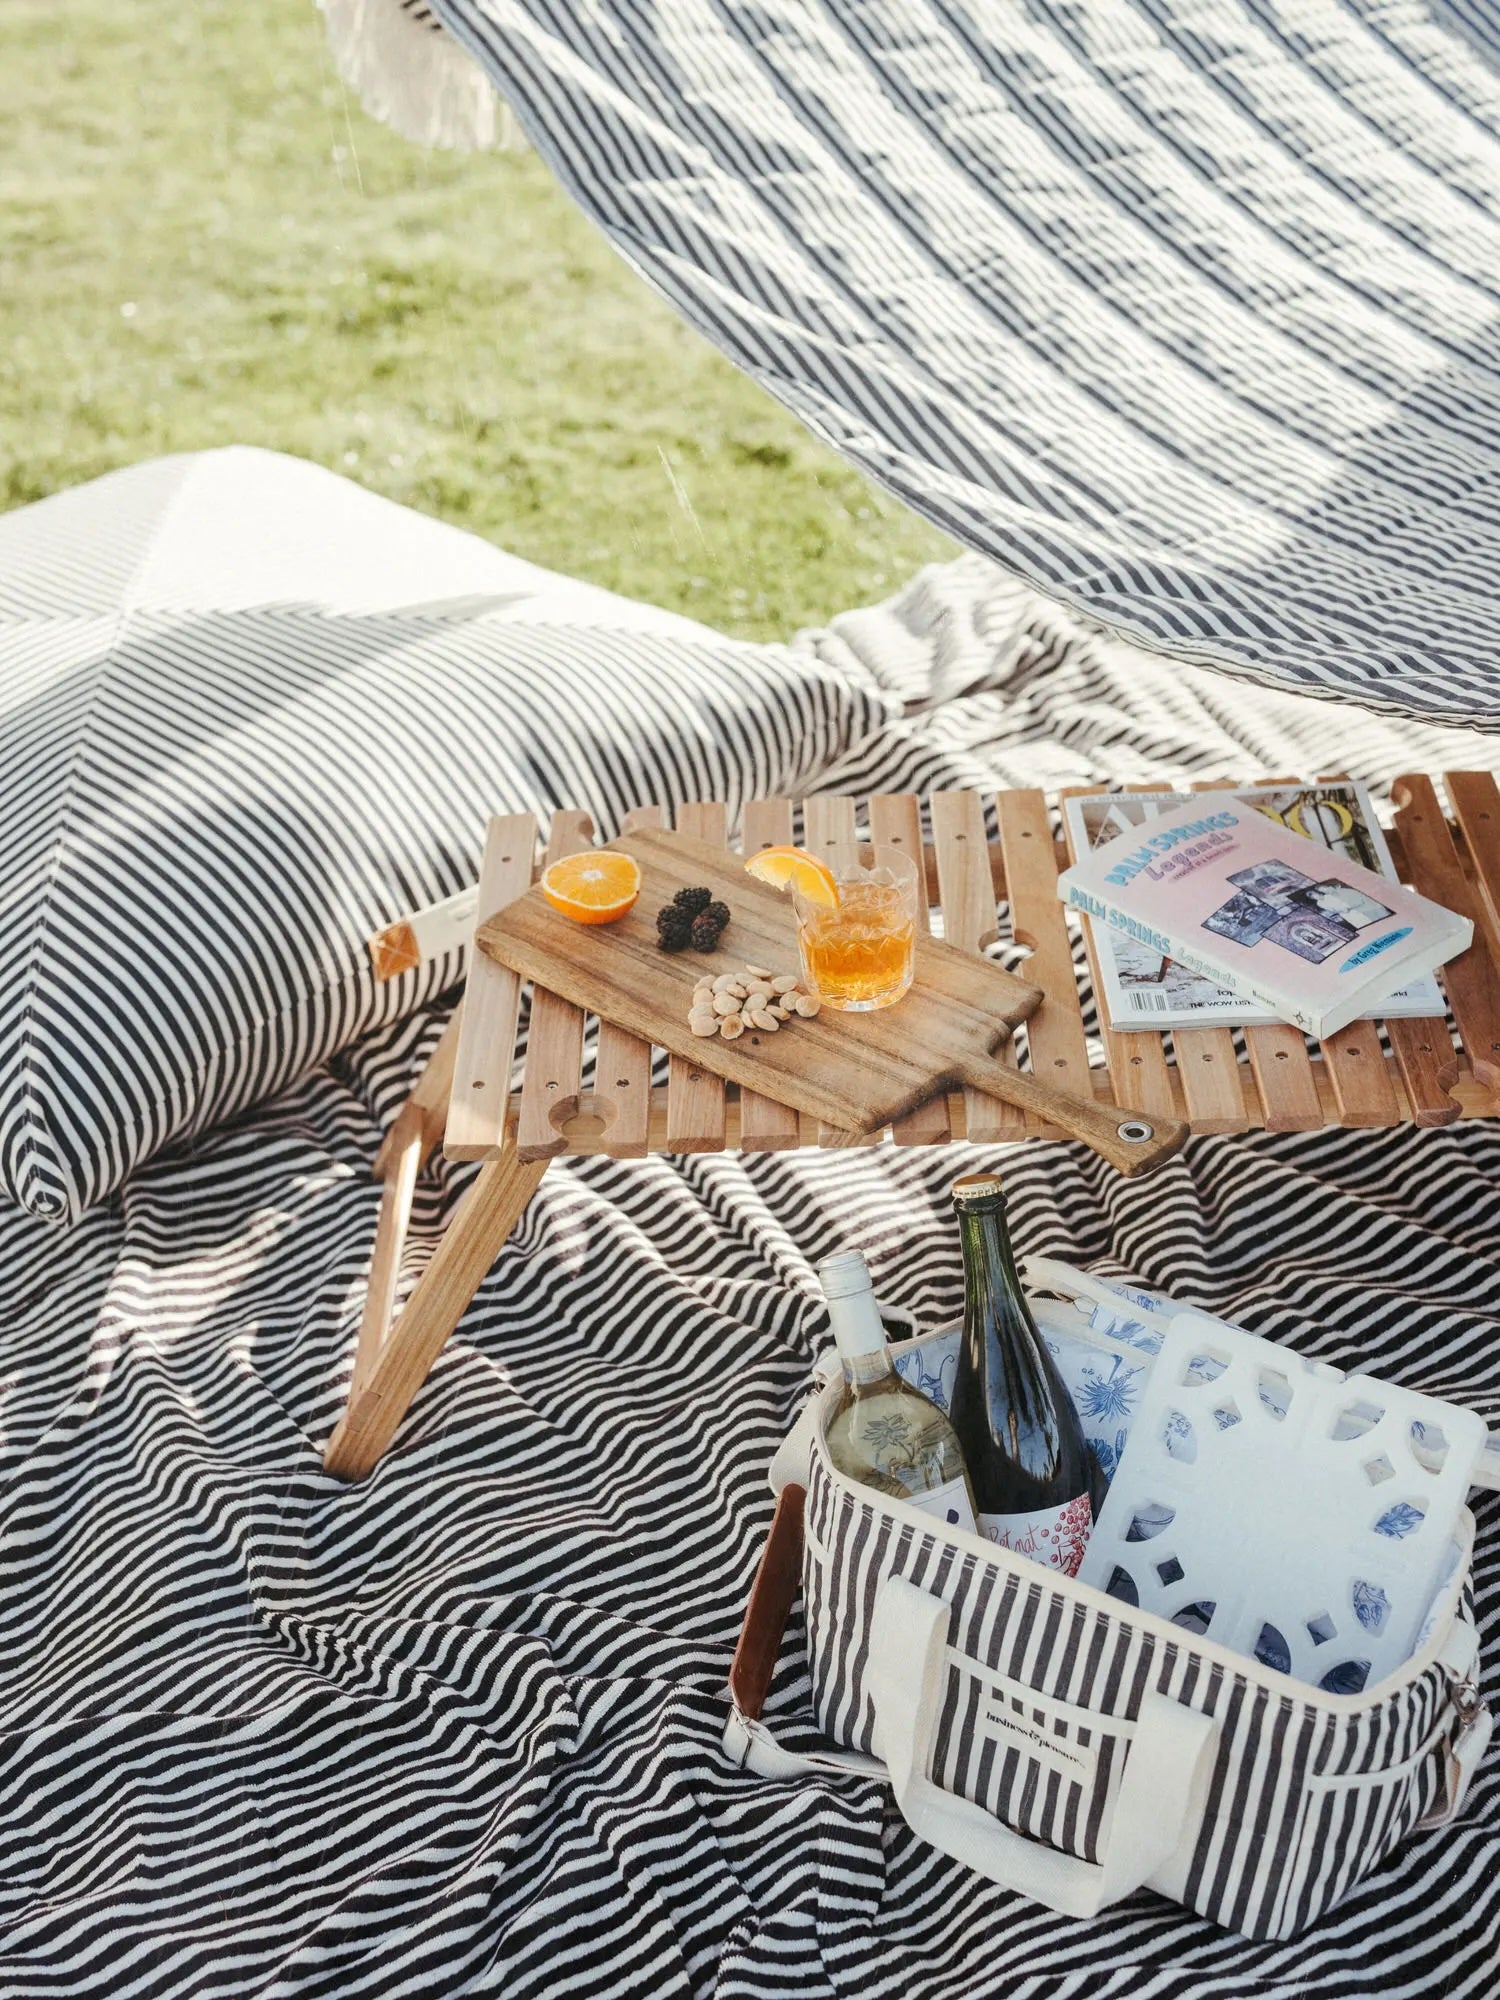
<point>595,887</point>
<point>811,877</point>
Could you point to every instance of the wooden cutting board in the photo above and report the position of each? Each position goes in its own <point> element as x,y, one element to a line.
<point>855,1072</point>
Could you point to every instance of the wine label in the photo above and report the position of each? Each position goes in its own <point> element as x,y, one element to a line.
<point>948,1503</point>
<point>1055,1538</point>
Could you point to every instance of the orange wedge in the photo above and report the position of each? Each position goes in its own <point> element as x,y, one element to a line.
<point>595,887</point>
<point>810,876</point>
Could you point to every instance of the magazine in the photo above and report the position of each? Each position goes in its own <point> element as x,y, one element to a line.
<point>1142,988</point>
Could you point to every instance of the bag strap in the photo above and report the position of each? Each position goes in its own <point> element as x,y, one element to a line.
<point>778,1578</point>
<point>1459,1659</point>
<point>748,1743</point>
<point>1156,1811</point>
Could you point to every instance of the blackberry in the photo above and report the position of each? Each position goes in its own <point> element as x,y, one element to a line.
<point>719,912</point>
<point>674,930</point>
<point>694,900</point>
<point>705,933</point>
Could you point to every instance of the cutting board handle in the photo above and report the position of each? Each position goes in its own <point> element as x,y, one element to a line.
<point>1135,1142</point>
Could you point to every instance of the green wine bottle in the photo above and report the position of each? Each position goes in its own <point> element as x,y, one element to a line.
<point>1030,1470</point>
<point>884,1433</point>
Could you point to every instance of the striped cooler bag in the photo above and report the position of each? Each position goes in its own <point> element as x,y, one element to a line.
<point>1065,1744</point>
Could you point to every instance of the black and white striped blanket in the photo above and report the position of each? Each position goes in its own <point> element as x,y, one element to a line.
<point>1186,314</point>
<point>454,1731</point>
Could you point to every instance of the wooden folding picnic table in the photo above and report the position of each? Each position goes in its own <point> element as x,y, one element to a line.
<point>1260,1078</point>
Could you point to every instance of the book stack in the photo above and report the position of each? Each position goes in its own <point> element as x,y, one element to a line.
<point>1231,908</point>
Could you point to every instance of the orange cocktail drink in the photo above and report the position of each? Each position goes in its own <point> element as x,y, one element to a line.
<point>860,954</point>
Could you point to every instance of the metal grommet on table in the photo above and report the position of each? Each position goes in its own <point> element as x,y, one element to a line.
<point>1135,1131</point>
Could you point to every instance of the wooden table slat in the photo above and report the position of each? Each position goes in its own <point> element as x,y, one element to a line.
<point>480,1098</point>
<point>1277,1055</point>
<point>695,1098</point>
<point>1475,798</point>
<point>828,830</point>
<point>1422,1048</point>
<point>896,826</point>
<point>552,1079</point>
<point>1472,979</point>
<point>1427,1064</point>
<point>970,922</point>
<point>1056,1045</point>
<point>765,1125</point>
<point>1139,1073</point>
<point>622,1064</point>
<point>1283,1075</point>
<point>1354,1065</point>
<point>1363,1087</point>
<point>1209,1067</point>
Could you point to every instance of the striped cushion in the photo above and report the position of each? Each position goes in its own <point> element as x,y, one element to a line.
<point>1186,314</point>
<point>250,713</point>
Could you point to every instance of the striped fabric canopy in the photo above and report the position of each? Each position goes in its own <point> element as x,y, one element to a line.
<point>1187,311</point>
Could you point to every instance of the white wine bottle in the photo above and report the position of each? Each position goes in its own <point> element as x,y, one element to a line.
<point>885,1433</point>
<point>1031,1473</point>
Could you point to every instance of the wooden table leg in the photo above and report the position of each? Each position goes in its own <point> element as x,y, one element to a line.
<point>415,1133</point>
<point>401,1162</point>
<point>439,1299</point>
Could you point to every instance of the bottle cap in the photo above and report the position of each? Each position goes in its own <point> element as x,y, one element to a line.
<point>853,1317</point>
<point>972,1188</point>
<point>844,1275</point>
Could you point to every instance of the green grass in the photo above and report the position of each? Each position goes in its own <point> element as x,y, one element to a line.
<point>204,241</point>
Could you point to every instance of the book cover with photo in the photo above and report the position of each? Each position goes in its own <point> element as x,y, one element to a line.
<point>1140,988</point>
<point>1227,892</point>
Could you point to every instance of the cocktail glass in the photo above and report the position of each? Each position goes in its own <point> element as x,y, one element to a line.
<point>861,955</point>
